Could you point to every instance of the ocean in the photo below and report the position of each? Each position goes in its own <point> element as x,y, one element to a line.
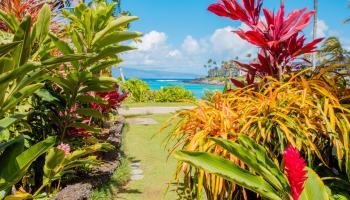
<point>197,89</point>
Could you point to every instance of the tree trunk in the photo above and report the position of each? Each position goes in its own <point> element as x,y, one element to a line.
<point>314,35</point>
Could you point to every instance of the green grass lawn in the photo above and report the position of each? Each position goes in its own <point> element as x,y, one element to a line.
<point>147,104</point>
<point>143,143</point>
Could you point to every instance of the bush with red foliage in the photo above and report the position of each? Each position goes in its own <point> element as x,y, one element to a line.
<point>113,98</point>
<point>277,36</point>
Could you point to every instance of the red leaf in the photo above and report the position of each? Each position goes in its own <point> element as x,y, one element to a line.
<point>237,83</point>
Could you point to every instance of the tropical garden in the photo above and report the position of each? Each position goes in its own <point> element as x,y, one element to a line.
<point>280,133</point>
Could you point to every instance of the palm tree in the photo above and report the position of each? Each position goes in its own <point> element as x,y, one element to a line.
<point>333,52</point>
<point>347,19</point>
<point>315,31</point>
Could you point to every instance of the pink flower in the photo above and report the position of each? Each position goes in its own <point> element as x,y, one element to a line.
<point>65,148</point>
<point>295,171</point>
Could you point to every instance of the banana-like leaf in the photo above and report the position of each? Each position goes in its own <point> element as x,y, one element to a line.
<point>53,164</point>
<point>19,195</point>
<point>42,25</point>
<point>314,188</point>
<point>256,158</point>
<point>14,168</point>
<point>4,146</point>
<point>109,51</point>
<point>22,52</point>
<point>104,147</point>
<point>5,48</point>
<point>19,96</point>
<point>112,26</point>
<point>116,37</point>
<point>18,72</point>
<point>8,121</point>
<point>230,171</point>
<point>103,65</point>
<point>63,59</point>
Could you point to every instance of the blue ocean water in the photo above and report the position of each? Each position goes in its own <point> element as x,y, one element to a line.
<point>197,89</point>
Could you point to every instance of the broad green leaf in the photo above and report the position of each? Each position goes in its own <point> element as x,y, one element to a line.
<point>62,59</point>
<point>42,25</point>
<point>3,146</point>
<point>19,96</point>
<point>116,37</point>
<point>19,195</point>
<point>5,48</point>
<point>230,171</point>
<point>13,168</point>
<point>53,164</point>
<point>103,65</point>
<point>113,26</point>
<point>109,51</point>
<point>314,188</point>
<point>89,112</point>
<point>257,159</point>
<point>46,95</point>
<point>88,150</point>
<point>8,121</point>
<point>22,52</point>
<point>18,72</point>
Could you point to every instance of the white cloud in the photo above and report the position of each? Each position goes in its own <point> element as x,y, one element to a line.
<point>152,40</point>
<point>225,42</point>
<point>190,45</point>
<point>322,29</point>
<point>156,52</point>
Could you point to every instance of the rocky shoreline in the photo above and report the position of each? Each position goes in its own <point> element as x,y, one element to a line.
<point>206,81</point>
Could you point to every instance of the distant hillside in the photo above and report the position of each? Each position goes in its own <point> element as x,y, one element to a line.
<point>153,74</point>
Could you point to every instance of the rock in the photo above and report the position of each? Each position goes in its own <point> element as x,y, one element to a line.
<point>135,164</point>
<point>142,121</point>
<point>79,191</point>
<point>137,177</point>
<point>136,172</point>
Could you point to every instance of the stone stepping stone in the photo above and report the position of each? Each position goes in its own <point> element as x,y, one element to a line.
<point>137,177</point>
<point>136,172</point>
<point>135,164</point>
<point>141,121</point>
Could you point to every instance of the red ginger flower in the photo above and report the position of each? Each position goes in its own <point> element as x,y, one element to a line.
<point>295,171</point>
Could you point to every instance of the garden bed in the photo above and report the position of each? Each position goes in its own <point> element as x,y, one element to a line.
<point>82,187</point>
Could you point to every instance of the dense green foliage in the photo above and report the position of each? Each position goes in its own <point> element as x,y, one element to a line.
<point>139,91</point>
<point>55,85</point>
<point>172,94</point>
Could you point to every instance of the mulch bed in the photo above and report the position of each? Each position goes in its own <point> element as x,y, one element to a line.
<point>82,187</point>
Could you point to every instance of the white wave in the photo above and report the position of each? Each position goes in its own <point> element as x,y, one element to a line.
<point>166,80</point>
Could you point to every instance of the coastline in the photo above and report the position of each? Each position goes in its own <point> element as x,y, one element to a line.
<point>206,81</point>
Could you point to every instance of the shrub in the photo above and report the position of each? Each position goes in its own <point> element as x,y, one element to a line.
<point>305,113</point>
<point>138,90</point>
<point>173,94</point>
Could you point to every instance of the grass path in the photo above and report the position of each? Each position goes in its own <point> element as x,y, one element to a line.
<point>157,170</point>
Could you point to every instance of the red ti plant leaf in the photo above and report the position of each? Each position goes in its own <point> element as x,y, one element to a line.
<point>278,36</point>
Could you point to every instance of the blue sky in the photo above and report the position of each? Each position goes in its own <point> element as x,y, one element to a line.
<point>181,35</point>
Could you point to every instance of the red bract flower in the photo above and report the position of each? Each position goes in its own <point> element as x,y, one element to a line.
<point>277,36</point>
<point>295,171</point>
